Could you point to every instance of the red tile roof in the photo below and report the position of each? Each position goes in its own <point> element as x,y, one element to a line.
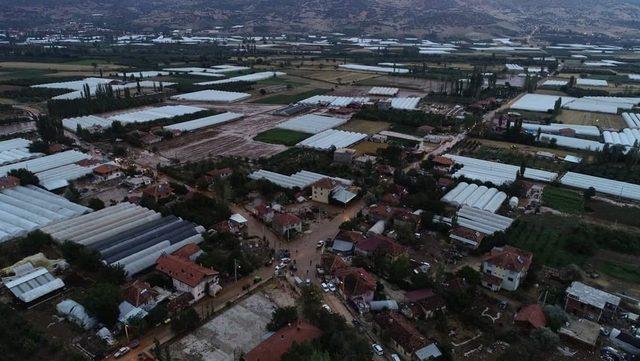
<point>511,258</point>
<point>445,182</point>
<point>187,251</point>
<point>105,169</point>
<point>381,243</point>
<point>326,183</point>
<point>401,330</point>
<point>273,348</point>
<point>138,293</point>
<point>467,233</point>
<point>356,281</point>
<point>9,182</point>
<point>332,263</point>
<point>532,314</point>
<point>417,295</point>
<point>183,270</point>
<point>286,219</point>
<point>219,172</point>
<point>443,160</point>
<point>491,279</point>
<point>158,190</point>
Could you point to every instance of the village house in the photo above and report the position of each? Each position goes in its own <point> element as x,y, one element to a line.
<point>218,174</point>
<point>466,237</point>
<point>285,223</point>
<point>357,285</point>
<point>328,190</point>
<point>505,268</point>
<point>378,243</point>
<point>423,304</point>
<point>107,172</point>
<point>442,164</point>
<point>140,294</point>
<point>530,316</point>
<point>590,303</point>
<point>264,212</point>
<point>189,276</point>
<point>158,192</point>
<point>406,339</point>
<point>344,155</point>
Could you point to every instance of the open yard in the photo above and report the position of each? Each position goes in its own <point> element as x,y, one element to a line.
<point>564,200</point>
<point>601,120</point>
<point>370,148</point>
<point>281,136</point>
<point>230,139</point>
<point>364,126</point>
<point>235,331</point>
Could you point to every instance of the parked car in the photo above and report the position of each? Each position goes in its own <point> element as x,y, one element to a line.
<point>327,308</point>
<point>320,244</point>
<point>121,352</point>
<point>395,357</point>
<point>308,281</point>
<point>377,349</point>
<point>324,287</point>
<point>133,344</point>
<point>331,286</point>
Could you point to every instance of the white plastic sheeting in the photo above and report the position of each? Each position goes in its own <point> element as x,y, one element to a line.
<point>47,162</point>
<point>86,122</point>
<point>555,83</point>
<point>76,313</point>
<point>472,195</point>
<point>59,177</point>
<point>16,150</point>
<point>75,84</point>
<point>33,285</point>
<point>148,260</point>
<point>374,69</point>
<point>332,138</point>
<point>482,221</point>
<point>334,101</point>
<point>632,120</point>
<point>249,77</point>
<point>573,143</point>
<point>496,173</point>
<point>151,114</point>
<point>311,123</point>
<point>204,122</point>
<point>378,90</point>
<point>539,102</point>
<point>25,209</point>
<point>627,137</point>
<point>213,96</point>
<point>300,179</point>
<point>591,82</point>
<point>405,103</point>
<point>602,185</point>
<point>554,128</point>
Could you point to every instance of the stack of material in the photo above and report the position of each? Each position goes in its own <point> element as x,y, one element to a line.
<point>482,221</point>
<point>24,209</point>
<point>603,185</point>
<point>128,235</point>
<point>472,195</point>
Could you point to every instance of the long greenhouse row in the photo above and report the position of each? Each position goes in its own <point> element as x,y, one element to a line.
<point>332,138</point>
<point>496,173</point>
<point>482,221</point>
<point>603,185</point>
<point>300,179</point>
<point>472,195</point>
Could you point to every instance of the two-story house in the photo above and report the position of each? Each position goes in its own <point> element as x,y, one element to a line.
<point>505,268</point>
<point>189,276</point>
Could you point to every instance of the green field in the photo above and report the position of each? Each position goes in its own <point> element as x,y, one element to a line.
<point>564,200</point>
<point>560,240</point>
<point>281,136</point>
<point>364,126</point>
<point>281,81</point>
<point>623,272</point>
<point>290,98</point>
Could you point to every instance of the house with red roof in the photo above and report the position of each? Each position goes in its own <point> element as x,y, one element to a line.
<point>278,344</point>
<point>531,316</point>
<point>188,276</point>
<point>423,303</point>
<point>442,164</point>
<point>158,192</point>
<point>285,223</point>
<point>505,268</point>
<point>9,181</point>
<point>218,174</point>
<point>405,337</point>
<point>108,171</point>
<point>379,243</point>
<point>140,294</point>
<point>466,237</point>
<point>356,284</point>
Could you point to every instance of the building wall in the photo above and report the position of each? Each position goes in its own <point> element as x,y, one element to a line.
<point>510,280</point>
<point>320,195</point>
<point>199,291</point>
<point>582,310</point>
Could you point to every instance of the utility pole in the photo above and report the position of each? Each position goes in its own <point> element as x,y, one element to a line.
<point>235,269</point>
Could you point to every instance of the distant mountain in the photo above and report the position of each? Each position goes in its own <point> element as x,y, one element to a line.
<point>475,18</point>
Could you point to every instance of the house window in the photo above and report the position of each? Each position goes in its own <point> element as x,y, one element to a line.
<point>510,279</point>
<point>488,271</point>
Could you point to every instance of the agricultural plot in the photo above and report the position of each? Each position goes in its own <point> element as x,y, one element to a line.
<point>281,136</point>
<point>564,200</point>
<point>56,66</point>
<point>290,98</point>
<point>627,273</point>
<point>334,76</point>
<point>370,148</point>
<point>602,120</point>
<point>364,126</point>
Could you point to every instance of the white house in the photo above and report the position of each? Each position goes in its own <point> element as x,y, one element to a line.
<point>505,268</point>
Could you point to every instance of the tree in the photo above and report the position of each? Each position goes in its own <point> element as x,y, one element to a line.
<point>544,339</point>
<point>556,316</point>
<point>96,204</point>
<point>589,193</point>
<point>281,317</point>
<point>310,302</point>
<point>49,129</point>
<point>25,176</point>
<point>470,275</point>
<point>186,320</point>
<point>399,270</point>
<point>557,106</point>
<point>102,301</point>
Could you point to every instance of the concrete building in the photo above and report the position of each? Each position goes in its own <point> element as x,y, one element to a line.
<point>505,268</point>
<point>189,276</point>
<point>285,223</point>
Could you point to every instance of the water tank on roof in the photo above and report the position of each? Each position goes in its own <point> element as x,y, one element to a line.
<point>513,202</point>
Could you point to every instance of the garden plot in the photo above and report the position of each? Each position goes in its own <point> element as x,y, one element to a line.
<point>240,328</point>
